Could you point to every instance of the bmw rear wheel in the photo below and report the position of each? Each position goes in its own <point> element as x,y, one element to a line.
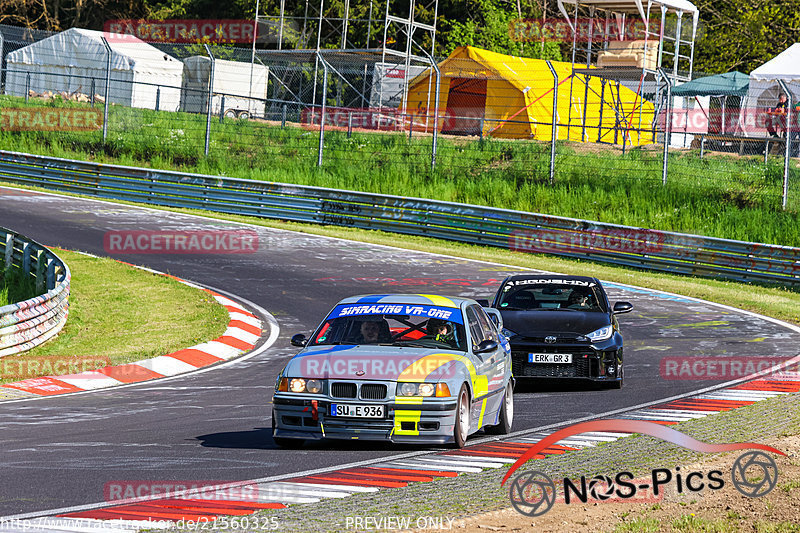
<point>506,417</point>
<point>461,427</point>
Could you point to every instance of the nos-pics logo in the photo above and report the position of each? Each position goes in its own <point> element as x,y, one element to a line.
<point>533,493</point>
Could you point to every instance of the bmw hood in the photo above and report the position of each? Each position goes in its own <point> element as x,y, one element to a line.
<point>566,322</point>
<point>384,363</point>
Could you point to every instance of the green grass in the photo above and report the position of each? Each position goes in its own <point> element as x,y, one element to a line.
<point>639,525</point>
<point>15,286</point>
<point>119,314</point>
<point>719,195</point>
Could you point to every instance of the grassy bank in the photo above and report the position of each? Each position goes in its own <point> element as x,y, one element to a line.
<point>719,195</point>
<point>15,286</point>
<point>119,314</point>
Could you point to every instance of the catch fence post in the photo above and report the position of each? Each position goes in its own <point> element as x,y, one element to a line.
<point>210,98</point>
<point>435,140</point>
<point>107,92</point>
<point>787,143</point>
<point>322,116</point>
<point>667,127</point>
<point>554,126</point>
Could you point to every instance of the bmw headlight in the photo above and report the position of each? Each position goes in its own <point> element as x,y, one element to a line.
<point>423,389</point>
<point>300,385</point>
<point>601,334</point>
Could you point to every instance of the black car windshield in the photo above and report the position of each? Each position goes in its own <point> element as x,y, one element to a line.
<point>551,296</point>
<point>408,325</point>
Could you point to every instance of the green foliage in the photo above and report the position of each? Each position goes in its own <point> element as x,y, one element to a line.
<point>489,25</point>
<point>742,36</point>
<point>15,286</point>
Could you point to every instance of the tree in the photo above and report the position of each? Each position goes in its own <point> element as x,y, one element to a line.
<point>743,35</point>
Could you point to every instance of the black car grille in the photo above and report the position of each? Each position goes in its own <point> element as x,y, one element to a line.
<point>580,367</point>
<point>370,391</point>
<point>343,390</point>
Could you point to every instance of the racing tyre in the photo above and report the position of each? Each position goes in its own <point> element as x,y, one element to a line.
<point>461,427</point>
<point>506,418</point>
<point>284,442</point>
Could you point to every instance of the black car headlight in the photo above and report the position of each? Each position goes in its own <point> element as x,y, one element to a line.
<point>601,334</point>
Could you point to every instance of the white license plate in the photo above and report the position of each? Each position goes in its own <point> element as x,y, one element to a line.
<point>357,411</point>
<point>550,358</point>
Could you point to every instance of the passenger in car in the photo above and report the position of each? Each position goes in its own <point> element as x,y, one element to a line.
<point>374,332</point>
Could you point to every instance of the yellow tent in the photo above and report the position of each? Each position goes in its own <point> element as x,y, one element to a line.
<point>513,98</point>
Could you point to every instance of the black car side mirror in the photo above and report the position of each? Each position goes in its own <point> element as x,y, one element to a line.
<point>486,346</point>
<point>622,307</point>
<point>483,303</point>
<point>299,340</point>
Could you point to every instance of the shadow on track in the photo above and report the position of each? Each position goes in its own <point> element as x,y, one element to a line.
<point>261,439</point>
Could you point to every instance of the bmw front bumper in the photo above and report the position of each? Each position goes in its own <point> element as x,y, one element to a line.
<point>428,421</point>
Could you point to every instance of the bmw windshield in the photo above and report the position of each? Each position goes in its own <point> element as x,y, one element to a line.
<point>402,325</point>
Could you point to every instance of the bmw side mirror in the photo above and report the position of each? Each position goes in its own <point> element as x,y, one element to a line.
<point>299,340</point>
<point>483,303</point>
<point>622,307</point>
<point>486,346</point>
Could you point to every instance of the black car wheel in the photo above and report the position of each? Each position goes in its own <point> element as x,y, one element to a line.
<point>503,426</point>
<point>283,442</point>
<point>461,427</point>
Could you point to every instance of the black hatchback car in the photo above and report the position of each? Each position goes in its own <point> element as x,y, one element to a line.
<point>561,327</point>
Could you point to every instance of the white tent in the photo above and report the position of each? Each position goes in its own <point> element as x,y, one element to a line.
<point>243,86</point>
<point>71,60</point>
<point>764,87</point>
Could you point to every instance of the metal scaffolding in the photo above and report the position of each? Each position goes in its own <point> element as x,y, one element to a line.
<point>657,49</point>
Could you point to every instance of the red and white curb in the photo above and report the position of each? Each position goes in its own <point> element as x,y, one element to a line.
<point>311,487</point>
<point>241,336</point>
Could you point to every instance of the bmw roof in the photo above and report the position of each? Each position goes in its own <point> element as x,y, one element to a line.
<point>419,299</point>
<point>533,275</point>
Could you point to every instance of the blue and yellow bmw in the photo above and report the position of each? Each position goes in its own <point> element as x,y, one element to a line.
<point>411,368</point>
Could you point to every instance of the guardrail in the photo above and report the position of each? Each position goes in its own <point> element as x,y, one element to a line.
<point>29,323</point>
<point>515,230</point>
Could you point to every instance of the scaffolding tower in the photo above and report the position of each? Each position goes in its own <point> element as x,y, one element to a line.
<point>642,45</point>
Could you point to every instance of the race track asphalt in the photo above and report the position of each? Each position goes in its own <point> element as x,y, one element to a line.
<point>213,426</point>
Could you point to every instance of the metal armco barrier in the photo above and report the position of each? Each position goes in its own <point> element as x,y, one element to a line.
<point>515,230</point>
<point>24,325</point>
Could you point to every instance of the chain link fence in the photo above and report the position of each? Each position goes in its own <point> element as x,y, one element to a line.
<point>282,114</point>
